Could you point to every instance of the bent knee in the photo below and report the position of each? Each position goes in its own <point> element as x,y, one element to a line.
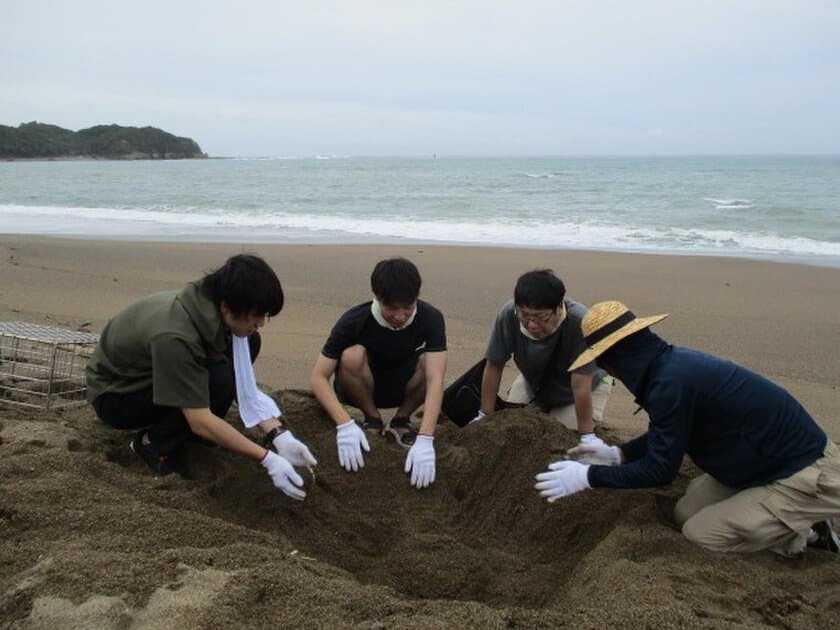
<point>683,511</point>
<point>354,358</point>
<point>420,368</point>
<point>698,532</point>
<point>724,536</point>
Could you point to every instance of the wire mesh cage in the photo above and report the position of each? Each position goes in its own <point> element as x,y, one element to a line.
<point>43,367</point>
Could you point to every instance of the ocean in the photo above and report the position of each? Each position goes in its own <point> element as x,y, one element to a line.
<point>779,208</point>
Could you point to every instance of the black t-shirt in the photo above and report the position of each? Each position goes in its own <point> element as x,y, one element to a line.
<point>387,347</point>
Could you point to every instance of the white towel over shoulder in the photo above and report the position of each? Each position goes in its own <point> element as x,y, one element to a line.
<point>254,405</point>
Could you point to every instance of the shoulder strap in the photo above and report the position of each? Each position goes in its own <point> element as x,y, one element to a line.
<point>549,367</point>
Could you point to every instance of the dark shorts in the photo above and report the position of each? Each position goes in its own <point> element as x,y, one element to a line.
<point>389,382</point>
<point>167,426</point>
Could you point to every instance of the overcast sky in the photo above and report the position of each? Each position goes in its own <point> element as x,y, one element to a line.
<point>449,77</point>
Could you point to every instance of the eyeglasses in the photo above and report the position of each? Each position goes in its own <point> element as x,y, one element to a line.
<point>537,318</point>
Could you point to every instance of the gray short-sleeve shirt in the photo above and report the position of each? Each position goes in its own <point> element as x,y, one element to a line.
<point>532,357</point>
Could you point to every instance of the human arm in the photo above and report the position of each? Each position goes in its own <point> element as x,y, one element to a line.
<point>635,448</point>
<point>491,381</point>
<point>498,351</point>
<point>582,395</point>
<point>435,370</point>
<point>285,444</point>
<point>350,439</point>
<point>660,450</point>
<point>204,423</point>
<point>420,459</point>
<point>207,425</point>
<point>319,380</point>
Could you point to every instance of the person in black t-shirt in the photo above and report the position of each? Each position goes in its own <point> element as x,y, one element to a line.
<point>389,352</point>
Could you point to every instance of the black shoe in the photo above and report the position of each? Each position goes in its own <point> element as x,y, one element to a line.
<point>826,538</point>
<point>373,425</point>
<point>156,463</point>
<point>401,430</point>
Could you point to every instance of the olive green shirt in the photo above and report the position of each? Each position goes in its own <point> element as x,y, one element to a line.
<point>165,341</point>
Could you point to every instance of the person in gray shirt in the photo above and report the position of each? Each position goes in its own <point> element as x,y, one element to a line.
<point>540,328</point>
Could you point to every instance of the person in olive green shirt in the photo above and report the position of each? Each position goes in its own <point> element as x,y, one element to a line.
<point>165,366</point>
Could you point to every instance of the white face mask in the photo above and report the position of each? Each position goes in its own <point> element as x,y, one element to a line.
<point>560,321</point>
<point>376,311</point>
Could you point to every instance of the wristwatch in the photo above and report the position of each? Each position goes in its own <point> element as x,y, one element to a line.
<point>268,440</point>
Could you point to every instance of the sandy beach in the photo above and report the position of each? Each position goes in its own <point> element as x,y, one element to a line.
<point>89,539</point>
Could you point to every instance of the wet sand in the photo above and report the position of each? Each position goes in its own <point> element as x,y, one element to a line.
<point>89,539</point>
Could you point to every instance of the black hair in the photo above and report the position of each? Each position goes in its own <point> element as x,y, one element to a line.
<point>395,281</point>
<point>539,288</point>
<point>246,284</point>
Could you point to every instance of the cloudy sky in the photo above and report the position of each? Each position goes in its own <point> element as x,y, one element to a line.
<point>449,77</point>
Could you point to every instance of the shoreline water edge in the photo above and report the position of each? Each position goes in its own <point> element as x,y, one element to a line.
<point>766,208</point>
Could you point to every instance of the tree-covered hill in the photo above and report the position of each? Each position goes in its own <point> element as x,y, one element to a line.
<point>39,140</point>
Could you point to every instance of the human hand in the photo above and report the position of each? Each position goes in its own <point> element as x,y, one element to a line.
<point>564,479</point>
<point>420,461</point>
<point>283,475</point>
<point>595,453</point>
<point>590,438</point>
<point>296,452</point>
<point>478,417</point>
<point>351,440</point>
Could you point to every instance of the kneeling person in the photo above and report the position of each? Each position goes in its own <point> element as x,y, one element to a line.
<point>540,328</point>
<point>385,353</point>
<point>165,365</point>
<point>771,476</point>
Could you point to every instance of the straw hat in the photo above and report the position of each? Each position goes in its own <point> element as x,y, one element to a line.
<point>605,325</point>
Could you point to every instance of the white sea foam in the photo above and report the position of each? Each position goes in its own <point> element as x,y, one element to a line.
<point>280,226</point>
<point>730,204</point>
<point>267,158</point>
<point>541,175</point>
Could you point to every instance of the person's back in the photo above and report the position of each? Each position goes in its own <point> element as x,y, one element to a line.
<point>124,344</point>
<point>154,330</point>
<point>740,427</point>
<point>171,364</point>
<point>771,477</point>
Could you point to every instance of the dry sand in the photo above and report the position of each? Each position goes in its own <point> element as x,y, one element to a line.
<point>89,539</point>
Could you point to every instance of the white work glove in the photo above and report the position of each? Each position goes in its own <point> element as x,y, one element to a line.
<point>590,438</point>
<point>351,440</point>
<point>479,416</point>
<point>295,451</point>
<point>566,478</point>
<point>420,461</point>
<point>283,475</point>
<point>595,453</point>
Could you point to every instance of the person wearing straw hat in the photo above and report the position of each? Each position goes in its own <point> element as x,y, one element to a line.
<point>771,477</point>
<point>540,328</point>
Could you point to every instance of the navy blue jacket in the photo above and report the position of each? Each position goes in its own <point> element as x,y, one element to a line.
<point>736,425</point>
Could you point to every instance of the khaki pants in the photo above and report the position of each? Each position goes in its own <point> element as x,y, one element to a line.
<point>521,392</point>
<point>775,517</point>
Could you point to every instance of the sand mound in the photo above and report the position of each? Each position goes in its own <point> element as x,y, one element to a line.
<point>89,539</point>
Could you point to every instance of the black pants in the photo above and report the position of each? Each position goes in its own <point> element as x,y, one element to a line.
<point>167,426</point>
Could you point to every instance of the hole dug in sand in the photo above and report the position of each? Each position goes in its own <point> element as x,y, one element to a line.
<point>481,532</point>
<point>86,533</point>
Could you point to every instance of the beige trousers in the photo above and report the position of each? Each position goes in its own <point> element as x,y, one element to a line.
<point>775,517</point>
<point>521,392</point>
